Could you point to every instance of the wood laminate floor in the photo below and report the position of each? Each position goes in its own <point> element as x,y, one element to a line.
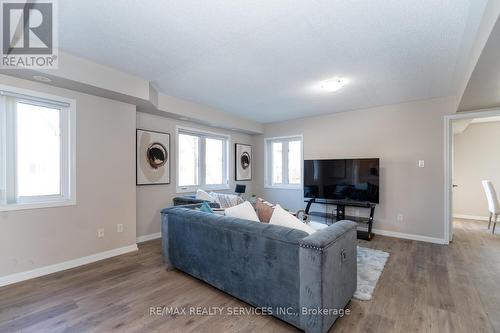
<point>424,288</point>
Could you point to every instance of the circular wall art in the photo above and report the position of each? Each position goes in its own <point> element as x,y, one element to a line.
<point>243,162</point>
<point>157,155</point>
<point>153,158</point>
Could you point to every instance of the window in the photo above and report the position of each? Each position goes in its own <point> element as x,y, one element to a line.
<point>36,150</point>
<point>202,160</point>
<point>284,162</point>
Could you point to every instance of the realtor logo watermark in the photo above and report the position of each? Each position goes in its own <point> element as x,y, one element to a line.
<point>29,36</point>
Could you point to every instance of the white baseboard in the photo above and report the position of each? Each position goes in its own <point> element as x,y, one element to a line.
<point>471,217</point>
<point>37,272</point>
<point>408,236</point>
<point>146,238</point>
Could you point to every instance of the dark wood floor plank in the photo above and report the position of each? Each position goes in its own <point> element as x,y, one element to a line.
<point>424,288</point>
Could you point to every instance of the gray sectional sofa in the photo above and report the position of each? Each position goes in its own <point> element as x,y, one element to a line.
<point>302,279</point>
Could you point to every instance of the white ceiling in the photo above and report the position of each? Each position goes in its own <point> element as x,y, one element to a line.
<point>259,58</point>
<point>483,89</point>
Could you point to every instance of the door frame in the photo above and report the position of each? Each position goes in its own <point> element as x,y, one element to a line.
<point>448,162</point>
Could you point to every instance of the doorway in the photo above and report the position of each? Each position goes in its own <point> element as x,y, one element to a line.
<point>464,195</point>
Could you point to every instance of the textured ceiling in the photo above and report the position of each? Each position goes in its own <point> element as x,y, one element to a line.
<point>259,59</point>
<point>483,89</point>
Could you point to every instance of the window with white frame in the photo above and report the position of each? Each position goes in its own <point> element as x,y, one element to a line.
<point>36,150</point>
<point>284,162</point>
<point>202,160</point>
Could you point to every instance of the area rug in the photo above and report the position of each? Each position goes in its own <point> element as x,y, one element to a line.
<point>371,263</point>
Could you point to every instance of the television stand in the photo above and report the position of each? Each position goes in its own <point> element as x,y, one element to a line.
<point>340,214</point>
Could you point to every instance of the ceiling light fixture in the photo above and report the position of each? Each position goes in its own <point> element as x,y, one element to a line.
<point>42,78</point>
<point>332,85</point>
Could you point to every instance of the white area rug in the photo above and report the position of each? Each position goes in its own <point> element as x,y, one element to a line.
<point>371,263</point>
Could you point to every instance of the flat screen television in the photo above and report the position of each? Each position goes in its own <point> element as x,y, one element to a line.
<point>342,179</point>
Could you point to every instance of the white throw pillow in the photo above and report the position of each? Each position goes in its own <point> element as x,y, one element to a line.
<point>203,195</point>
<point>242,211</point>
<point>283,218</point>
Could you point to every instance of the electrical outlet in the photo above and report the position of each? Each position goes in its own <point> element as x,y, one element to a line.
<point>400,217</point>
<point>119,227</point>
<point>100,233</point>
<point>421,163</point>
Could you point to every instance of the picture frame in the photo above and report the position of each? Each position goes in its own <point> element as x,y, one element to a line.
<point>243,160</point>
<point>153,157</point>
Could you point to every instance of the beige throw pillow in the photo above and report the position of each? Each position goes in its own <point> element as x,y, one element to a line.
<point>264,210</point>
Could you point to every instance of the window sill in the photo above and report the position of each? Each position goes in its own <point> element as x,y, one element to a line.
<point>25,206</point>
<point>193,189</point>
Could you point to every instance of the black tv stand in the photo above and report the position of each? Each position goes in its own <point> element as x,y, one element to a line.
<point>340,214</point>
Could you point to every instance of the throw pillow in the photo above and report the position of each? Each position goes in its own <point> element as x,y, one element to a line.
<point>206,208</point>
<point>226,200</point>
<point>283,218</point>
<point>203,195</point>
<point>242,211</point>
<point>264,210</point>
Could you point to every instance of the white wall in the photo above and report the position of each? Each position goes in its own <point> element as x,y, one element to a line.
<point>105,191</point>
<point>399,135</point>
<point>151,199</point>
<point>476,158</point>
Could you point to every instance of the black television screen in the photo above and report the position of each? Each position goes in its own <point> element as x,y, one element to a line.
<point>346,179</point>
